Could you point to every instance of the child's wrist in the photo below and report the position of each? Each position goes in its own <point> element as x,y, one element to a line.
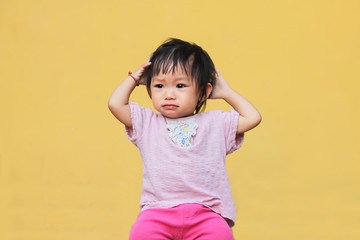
<point>227,93</point>
<point>136,80</point>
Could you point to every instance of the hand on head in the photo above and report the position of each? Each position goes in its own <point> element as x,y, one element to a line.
<point>221,87</point>
<point>139,73</point>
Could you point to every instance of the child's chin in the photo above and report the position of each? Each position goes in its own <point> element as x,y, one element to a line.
<point>170,115</point>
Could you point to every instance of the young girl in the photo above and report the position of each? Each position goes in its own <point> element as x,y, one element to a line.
<point>186,192</point>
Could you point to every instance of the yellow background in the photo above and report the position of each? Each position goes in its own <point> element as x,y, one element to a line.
<point>67,170</point>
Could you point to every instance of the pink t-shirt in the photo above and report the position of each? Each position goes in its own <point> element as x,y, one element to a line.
<point>184,159</point>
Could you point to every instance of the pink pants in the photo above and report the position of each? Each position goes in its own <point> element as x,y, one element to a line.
<point>184,222</point>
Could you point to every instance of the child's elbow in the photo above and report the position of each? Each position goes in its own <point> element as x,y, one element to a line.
<point>256,120</point>
<point>259,119</point>
<point>112,105</point>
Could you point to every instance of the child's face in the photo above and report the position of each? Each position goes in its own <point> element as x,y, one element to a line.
<point>174,95</point>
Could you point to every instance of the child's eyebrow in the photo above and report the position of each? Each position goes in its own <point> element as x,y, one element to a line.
<point>182,78</point>
<point>176,78</point>
<point>159,79</point>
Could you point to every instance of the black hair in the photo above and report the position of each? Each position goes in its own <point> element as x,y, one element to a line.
<point>175,53</point>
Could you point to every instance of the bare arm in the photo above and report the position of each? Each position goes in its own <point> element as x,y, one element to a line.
<point>249,116</point>
<point>119,100</point>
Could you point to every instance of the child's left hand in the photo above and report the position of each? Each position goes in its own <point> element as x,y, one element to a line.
<point>221,88</point>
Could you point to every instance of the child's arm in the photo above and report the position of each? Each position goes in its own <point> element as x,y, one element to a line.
<point>119,100</point>
<point>249,116</point>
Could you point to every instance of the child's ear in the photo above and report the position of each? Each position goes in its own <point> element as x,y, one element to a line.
<point>209,89</point>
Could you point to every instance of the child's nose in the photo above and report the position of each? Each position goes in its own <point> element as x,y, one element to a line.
<point>170,94</point>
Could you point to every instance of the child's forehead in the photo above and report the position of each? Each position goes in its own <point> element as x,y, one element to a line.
<point>178,71</point>
<point>175,71</point>
<point>170,66</point>
<point>172,76</point>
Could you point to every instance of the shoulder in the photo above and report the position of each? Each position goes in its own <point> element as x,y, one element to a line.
<point>143,116</point>
<point>136,109</point>
<point>219,115</point>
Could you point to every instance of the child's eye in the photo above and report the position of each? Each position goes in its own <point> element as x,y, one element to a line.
<point>180,85</point>
<point>159,86</point>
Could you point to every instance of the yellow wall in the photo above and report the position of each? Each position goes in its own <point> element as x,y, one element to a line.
<point>67,170</point>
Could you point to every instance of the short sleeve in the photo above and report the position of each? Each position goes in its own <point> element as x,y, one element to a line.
<point>139,117</point>
<point>230,121</point>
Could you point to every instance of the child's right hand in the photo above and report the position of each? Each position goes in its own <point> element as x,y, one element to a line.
<point>139,73</point>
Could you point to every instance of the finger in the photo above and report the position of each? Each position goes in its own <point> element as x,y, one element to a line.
<point>148,60</point>
<point>218,72</point>
<point>145,65</point>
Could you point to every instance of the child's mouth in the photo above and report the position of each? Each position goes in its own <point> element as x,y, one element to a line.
<point>170,106</point>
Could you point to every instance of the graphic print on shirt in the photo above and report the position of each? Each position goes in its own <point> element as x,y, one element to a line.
<point>182,132</point>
